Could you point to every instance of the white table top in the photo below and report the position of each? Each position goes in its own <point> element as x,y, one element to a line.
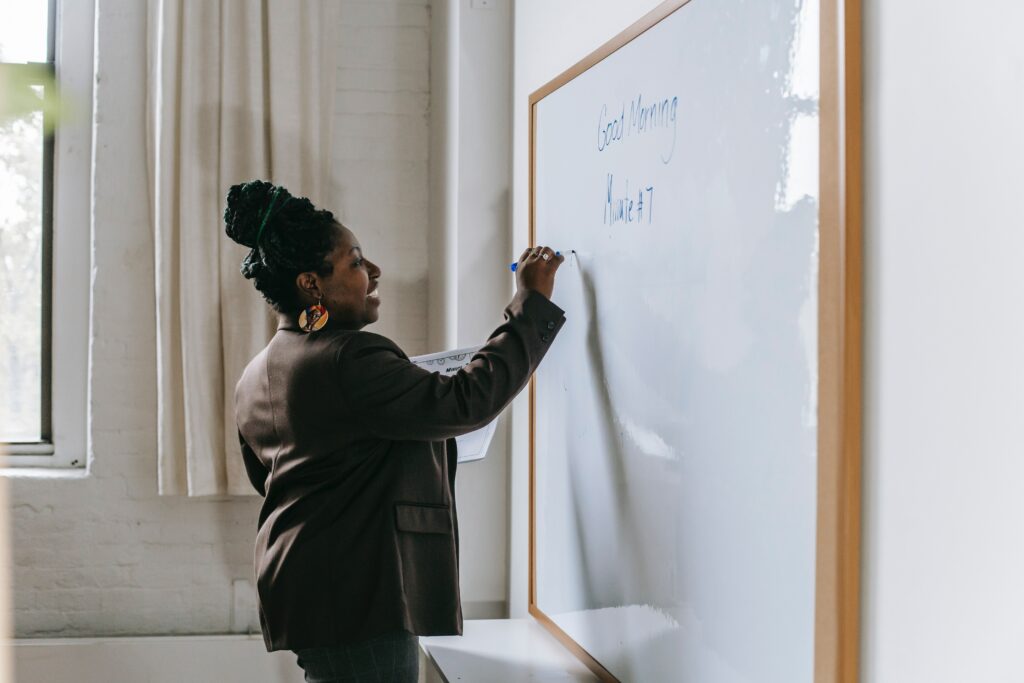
<point>505,651</point>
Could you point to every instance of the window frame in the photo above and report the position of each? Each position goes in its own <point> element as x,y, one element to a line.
<point>66,215</point>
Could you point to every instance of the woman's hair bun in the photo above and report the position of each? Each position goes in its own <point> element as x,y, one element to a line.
<point>246,205</point>
<point>297,238</point>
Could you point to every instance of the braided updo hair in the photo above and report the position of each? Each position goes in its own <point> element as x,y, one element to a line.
<point>287,236</point>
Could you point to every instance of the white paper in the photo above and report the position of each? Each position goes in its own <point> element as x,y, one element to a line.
<point>472,446</point>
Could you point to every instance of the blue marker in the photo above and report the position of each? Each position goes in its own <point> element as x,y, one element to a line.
<point>513,266</point>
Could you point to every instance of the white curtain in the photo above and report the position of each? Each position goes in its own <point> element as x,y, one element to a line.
<point>238,90</point>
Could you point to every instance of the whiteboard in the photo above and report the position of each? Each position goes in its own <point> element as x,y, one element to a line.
<point>675,417</point>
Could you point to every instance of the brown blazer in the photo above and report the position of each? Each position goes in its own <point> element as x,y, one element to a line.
<point>352,447</point>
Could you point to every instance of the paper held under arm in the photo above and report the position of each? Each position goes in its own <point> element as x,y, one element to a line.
<point>472,446</point>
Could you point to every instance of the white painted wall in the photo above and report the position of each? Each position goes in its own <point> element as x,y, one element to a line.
<point>944,330</point>
<point>943,551</point>
<point>104,555</point>
<point>483,281</point>
<point>468,288</point>
<point>156,659</point>
<point>381,152</point>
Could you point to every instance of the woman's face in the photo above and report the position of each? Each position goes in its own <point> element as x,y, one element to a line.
<point>350,291</point>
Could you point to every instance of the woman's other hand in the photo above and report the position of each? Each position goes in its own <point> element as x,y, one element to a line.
<point>536,270</point>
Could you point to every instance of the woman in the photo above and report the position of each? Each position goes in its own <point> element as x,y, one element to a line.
<point>352,445</point>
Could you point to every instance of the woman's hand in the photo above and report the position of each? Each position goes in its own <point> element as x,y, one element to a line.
<point>536,270</point>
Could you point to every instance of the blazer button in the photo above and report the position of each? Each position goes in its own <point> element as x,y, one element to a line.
<point>545,337</point>
<point>551,325</point>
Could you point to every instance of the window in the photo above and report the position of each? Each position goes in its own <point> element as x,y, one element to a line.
<point>26,182</point>
<point>44,233</point>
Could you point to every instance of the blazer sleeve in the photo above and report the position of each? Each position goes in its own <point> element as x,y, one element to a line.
<point>396,399</point>
<point>253,467</point>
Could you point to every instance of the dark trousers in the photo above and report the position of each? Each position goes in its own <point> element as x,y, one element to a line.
<point>390,658</point>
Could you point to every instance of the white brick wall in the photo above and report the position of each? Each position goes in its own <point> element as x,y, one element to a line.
<point>381,145</point>
<point>104,555</point>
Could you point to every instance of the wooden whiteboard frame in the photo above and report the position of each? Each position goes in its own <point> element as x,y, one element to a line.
<point>837,575</point>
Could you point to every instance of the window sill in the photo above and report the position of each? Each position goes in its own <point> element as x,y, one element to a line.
<point>20,449</point>
<point>40,458</point>
<point>34,472</point>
